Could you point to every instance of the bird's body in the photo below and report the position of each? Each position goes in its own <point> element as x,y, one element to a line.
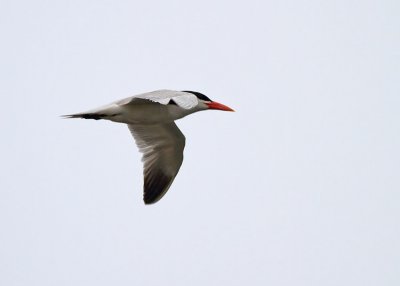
<point>150,118</point>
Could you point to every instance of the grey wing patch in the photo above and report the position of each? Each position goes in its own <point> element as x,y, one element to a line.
<point>132,99</point>
<point>162,147</point>
<point>183,99</point>
<point>186,101</point>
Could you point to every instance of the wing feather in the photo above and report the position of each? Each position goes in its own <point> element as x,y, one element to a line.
<point>162,147</point>
<point>183,99</point>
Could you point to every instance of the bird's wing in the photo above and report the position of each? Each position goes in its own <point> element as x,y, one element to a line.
<point>162,147</point>
<point>185,100</point>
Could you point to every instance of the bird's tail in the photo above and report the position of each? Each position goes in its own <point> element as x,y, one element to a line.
<point>109,112</point>
<point>95,116</point>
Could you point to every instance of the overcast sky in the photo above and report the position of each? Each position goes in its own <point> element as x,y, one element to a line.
<point>300,186</point>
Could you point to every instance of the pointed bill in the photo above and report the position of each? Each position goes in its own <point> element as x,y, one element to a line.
<point>218,106</point>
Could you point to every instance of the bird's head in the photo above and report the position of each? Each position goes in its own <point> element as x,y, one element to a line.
<point>207,103</point>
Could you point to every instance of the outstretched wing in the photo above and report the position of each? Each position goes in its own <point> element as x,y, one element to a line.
<point>162,147</point>
<point>185,100</point>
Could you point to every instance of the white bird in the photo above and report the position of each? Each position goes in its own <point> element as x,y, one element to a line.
<point>150,118</point>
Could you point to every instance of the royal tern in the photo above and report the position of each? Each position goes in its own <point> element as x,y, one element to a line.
<point>150,118</point>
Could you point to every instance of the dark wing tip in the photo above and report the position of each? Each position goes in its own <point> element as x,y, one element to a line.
<point>156,185</point>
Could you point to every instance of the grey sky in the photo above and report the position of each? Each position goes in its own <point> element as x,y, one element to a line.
<point>299,187</point>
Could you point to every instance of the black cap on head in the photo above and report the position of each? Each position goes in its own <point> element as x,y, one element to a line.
<point>198,94</point>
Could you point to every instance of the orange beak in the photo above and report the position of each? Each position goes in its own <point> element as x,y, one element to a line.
<point>218,106</point>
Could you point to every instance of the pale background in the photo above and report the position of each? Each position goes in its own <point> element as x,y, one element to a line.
<point>299,187</point>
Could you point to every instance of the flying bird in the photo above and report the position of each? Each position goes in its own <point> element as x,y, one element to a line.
<point>150,118</point>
